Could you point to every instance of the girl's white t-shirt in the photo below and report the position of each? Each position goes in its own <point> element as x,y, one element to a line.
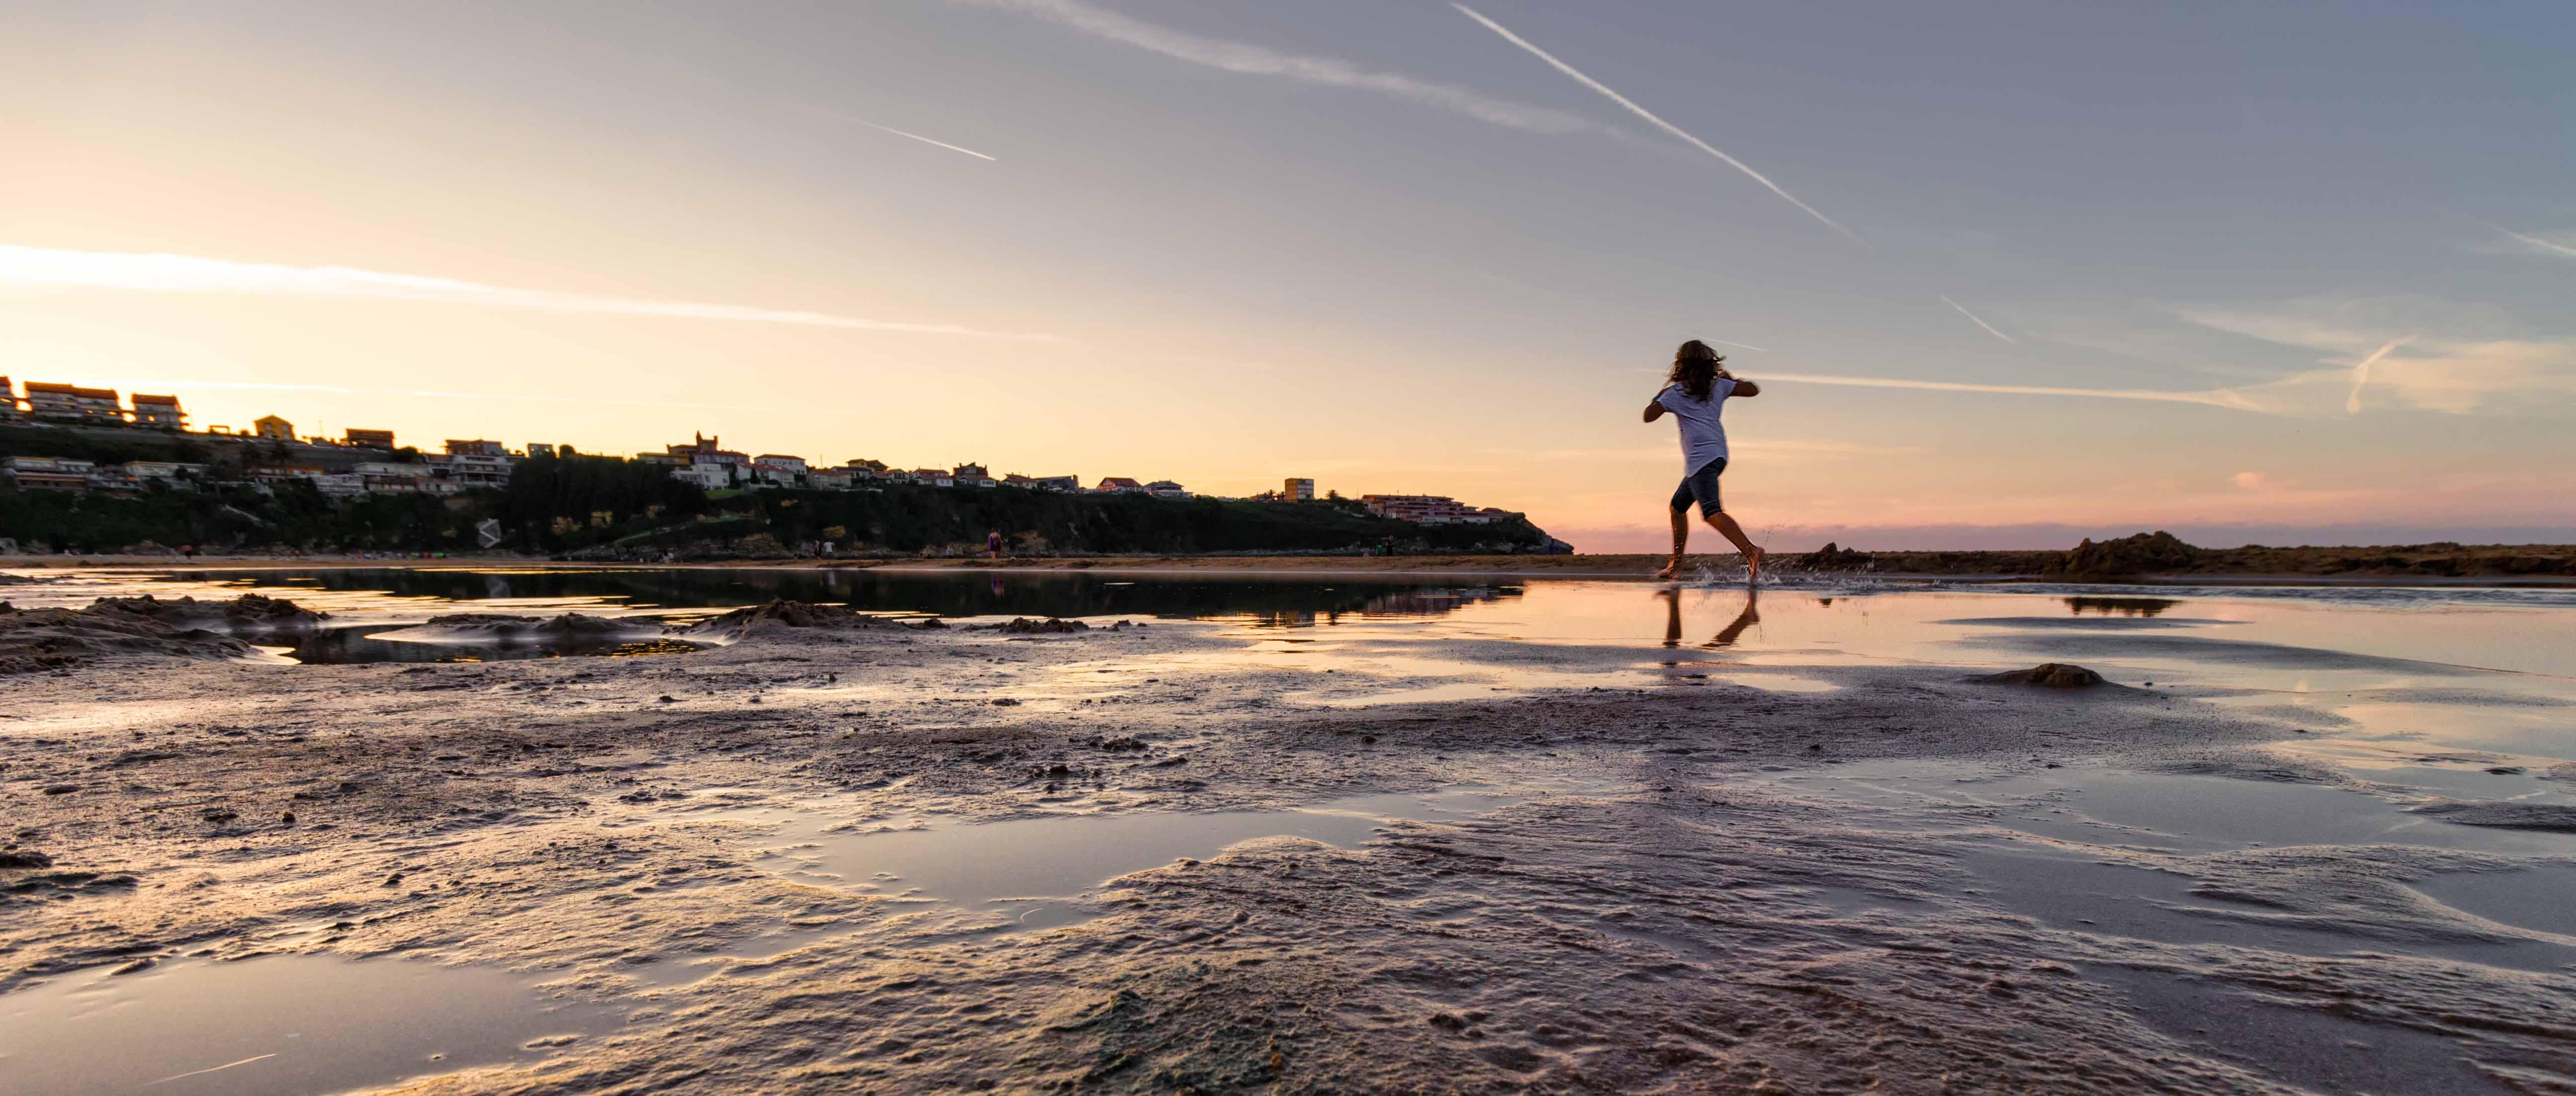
<point>1703,436</point>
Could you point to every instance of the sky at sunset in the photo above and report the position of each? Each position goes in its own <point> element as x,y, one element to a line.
<point>2010,273</point>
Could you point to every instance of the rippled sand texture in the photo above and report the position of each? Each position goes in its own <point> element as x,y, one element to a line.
<point>1502,854</point>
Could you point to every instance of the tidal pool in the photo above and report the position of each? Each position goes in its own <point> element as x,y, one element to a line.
<point>282,1025</point>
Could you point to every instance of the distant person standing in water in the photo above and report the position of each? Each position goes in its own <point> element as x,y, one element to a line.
<point>993,542</point>
<point>1699,388</point>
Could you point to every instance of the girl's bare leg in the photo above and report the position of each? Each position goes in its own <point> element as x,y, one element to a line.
<point>1681,539</point>
<point>1725,524</point>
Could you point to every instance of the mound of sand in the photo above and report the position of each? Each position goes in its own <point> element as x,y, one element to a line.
<point>44,639</point>
<point>2546,817</point>
<point>2054,675</point>
<point>781,613</point>
<point>515,626</point>
<point>249,612</point>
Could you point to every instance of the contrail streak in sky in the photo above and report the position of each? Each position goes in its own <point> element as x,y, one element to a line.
<point>53,268</point>
<point>2361,373</point>
<point>926,140</point>
<point>1747,346</point>
<point>2535,241</point>
<point>1252,60</point>
<point>1659,123</point>
<point>1972,318</point>
<point>202,1072</point>
<point>2218,397</point>
<point>2213,398</point>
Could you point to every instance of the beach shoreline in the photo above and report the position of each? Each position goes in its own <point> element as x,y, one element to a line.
<point>1623,567</point>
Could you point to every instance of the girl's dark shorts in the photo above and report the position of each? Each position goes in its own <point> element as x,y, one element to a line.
<point>1702,487</point>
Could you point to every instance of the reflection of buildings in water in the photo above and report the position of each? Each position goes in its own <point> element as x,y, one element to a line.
<point>1416,603</point>
<point>1726,636</point>
<point>2120,606</point>
<point>1393,606</point>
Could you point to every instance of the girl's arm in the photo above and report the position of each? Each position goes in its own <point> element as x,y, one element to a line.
<point>1655,410</point>
<point>1746,389</point>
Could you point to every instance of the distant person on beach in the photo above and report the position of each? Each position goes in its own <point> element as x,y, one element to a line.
<point>1698,389</point>
<point>993,543</point>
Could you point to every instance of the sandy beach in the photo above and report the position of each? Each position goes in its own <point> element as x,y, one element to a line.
<point>1159,855</point>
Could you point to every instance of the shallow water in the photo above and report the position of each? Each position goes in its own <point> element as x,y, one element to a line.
<point>1028,868</point>
<point>368,643</point>
<point>277,1026</point>
<point>2409,699</point>
<point>2389,674</point>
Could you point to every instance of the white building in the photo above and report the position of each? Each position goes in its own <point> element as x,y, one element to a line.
<point>341,483</point>
<point>48,473</point>
<point>711,477</point>
<point>395,479</point>
<point>472,469</point>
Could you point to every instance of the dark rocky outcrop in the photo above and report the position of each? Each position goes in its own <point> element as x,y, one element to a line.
<point>2158,552</point>
<point>1049,626</point>
<point>1835,557</point>
<point>2053,675</point>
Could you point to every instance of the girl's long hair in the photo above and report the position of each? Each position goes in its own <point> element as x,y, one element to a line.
<point>1696,368</point>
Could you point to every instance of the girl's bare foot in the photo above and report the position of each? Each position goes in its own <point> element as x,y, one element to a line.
<point>1753,564</point>
<point>1671,570</point>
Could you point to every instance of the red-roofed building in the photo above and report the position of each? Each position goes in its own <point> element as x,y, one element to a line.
<point>72,403</point>
<point>159,412</point>
<point>1424,509</point>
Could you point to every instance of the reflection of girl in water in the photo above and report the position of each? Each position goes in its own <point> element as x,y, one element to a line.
<point>1698,390</point>
<point>1726,636</point>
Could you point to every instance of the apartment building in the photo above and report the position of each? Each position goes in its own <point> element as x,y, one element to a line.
<point>72,403</point>
<point>159,412</point>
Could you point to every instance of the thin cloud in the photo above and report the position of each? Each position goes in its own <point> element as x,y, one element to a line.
<point>2457,360</point>
<point>1659,123</point>
<point>163,384</point>
<point>53,268</point>
<point>1972,318</point>
<point>2361,373</point>
<point>1252,60</point>
<point>927,141</point>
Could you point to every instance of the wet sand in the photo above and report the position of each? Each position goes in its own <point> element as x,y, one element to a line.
<point>783,865</point>
<point>2010,567</point>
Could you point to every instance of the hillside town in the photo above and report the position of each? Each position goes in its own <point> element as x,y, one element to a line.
<point>370,462</point>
